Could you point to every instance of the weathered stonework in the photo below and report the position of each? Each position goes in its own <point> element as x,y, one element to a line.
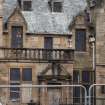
<point>81,62</point>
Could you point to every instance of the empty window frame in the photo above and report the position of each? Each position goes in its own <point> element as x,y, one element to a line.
<point>14,74</point>
<point>57,6</point>
<point>80,40</point>
<point>88,76</point>
<point>14,80</point>
<point>103,89</point>
<point>76,90</point>
<point>17,37</point>
<point>14,92</point>
<point>27,74</point>
<point>17,78</point>
<point>27,5</point>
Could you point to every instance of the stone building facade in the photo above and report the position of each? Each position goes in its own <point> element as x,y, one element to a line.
<point>43,44</point>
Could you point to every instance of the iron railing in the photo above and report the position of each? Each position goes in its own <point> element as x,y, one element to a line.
<point>36,54</point>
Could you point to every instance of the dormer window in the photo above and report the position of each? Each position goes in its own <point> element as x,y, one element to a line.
<point>56,5</point>
<point>27,5</point>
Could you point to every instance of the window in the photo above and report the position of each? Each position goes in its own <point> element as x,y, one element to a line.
<point>17,78</point>
<point>85,78</point>
<point>14,74</point>
<point>80,42</point>
<point>48,42</point>
<point>103,89</point>
<point>27,5</point>
<point>17,37</point>
<point>55,5</point>
<point>76,76</point>
<point>27,74</point>
<point>76,90</point>
<point>14,92</point>
<point>14,80</point>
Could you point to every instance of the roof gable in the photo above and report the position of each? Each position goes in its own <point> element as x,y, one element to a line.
<point>17,16</point>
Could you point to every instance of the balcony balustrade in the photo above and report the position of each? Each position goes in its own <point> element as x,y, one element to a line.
<point>36,55</point>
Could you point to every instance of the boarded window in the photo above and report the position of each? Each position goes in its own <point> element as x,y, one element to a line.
<point>57,43</point>
<point>27,74</point>
<point>57,7</point>
<point>27,5</point>
<point>26,94</point>
<point>14,92</point>
<point>80,42</point>
<point>54,94</point>
<point>15,74</point>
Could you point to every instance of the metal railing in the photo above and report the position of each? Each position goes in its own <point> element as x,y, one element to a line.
<point>95,96</point>
<point>85,99</point>
<point>36,55</point>
<point>56,100</point>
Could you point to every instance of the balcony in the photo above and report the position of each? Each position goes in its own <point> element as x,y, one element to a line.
<point>36,55</point>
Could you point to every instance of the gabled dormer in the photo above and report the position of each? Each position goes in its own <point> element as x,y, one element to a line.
<point>17,26</point>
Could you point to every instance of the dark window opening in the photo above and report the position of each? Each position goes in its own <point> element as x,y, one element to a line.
<point>48,44</point>
<point>80,42</point>
<point>85,78</point>
<point>14,92</point>
<point>76,77</point>
<point>27,74</point>
<point>103,89</point>
<point>88,77</point>
<point>57,7</point>
<point>17,37</point>
<point>17,78</point>
<point>27,5</point>
<point>76,90</point>
<point>15,74</point>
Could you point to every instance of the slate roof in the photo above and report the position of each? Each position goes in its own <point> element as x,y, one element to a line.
<point>42,20</point>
